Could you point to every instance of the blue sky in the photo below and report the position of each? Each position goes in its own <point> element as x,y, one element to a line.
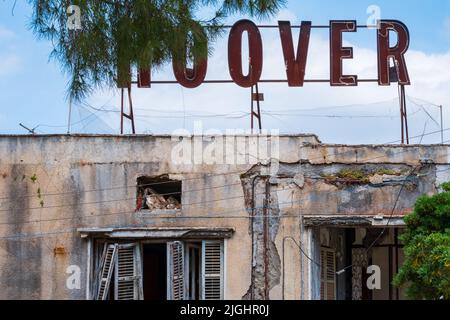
<point>32,88</point>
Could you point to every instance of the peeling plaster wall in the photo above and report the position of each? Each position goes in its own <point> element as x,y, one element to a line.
<point>52,185</point>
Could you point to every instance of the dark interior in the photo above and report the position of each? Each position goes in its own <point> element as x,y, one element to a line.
<point>194,273</point>
<point>155,272</point>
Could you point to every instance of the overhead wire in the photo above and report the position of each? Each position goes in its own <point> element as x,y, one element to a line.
<point>177,217</point>
<point>208,175</point>
<point>344,152</point>
<point>209,216</point>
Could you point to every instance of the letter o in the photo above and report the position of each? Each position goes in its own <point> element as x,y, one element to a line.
<point>190,78</point>
<point>235,53</point>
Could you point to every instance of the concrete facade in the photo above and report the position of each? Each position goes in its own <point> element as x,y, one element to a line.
<point>53,187</point>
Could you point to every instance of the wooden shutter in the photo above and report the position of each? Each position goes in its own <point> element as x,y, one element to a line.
<point>106,270</point>
<point>327,274</point>
<point>128,273</point>
<point>212,270</point>
<point>175,271</point>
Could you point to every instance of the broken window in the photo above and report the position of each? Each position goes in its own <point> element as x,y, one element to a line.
<point>158,193</point>
<point>176,270</point>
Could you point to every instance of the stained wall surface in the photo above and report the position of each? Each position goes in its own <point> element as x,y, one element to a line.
<point>50,186</point>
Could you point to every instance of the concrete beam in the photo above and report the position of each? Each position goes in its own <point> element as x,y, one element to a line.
<point>157,233</point>
<point>353,221</point>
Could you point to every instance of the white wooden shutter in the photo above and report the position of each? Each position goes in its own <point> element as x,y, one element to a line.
<point>327,274</point>
<point>175,271</point>
<point>212,270</point>
<point>128,273</point>
<point>106,270</point>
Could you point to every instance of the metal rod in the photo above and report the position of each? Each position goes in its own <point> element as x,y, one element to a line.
<point>252,114</point>
<point>401,114</point>
<point>70,116</point>
<point>442,125</point>
<point>273,26</point>
<point>266,240</point>
<point>260,81</point>
<point>131,115</point>
<point>405,113</point>
<point>28,129</point>
<point>121,112</point>
<point>259,108</point>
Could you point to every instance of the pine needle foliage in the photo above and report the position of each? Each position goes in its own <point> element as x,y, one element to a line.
<point>117,34</point>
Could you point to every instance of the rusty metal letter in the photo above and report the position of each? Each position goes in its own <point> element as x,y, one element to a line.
<point>338,53</point>
<point>235,53</point>
<point>295,64</point>
<point>385,52</point>
<point>190,77</point>
<point>144,77</point>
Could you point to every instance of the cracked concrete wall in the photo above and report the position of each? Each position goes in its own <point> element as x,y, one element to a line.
<point>263,228</point>
<point>301,189</point>
<point>52,185</point>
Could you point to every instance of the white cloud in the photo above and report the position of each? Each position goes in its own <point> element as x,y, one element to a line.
<point>161,108</point>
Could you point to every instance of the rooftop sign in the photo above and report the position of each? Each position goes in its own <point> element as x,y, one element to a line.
<point>295,62</point>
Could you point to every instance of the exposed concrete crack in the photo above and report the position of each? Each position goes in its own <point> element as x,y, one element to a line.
<point>263,228</point>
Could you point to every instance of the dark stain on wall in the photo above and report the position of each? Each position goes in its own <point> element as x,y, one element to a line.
<point>22,277</point>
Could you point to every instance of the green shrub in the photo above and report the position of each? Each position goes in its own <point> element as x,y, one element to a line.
<point>426,270</point>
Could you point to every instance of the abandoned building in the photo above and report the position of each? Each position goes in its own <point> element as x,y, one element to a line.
<point>115,217</point>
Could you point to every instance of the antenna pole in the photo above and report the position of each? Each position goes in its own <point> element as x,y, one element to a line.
<point>403,114</point>
<point>70,115</point>
<point>442,125</point>
<point>130,115</point>
<point>258,97</point>
<point>28,129</point>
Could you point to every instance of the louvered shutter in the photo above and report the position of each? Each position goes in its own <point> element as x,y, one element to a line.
<point>128,273</point>
<point>327,274</point>
<point>212,270</point>
<point>106,271</point>
<point>323,269</point>
<point>175,271</point>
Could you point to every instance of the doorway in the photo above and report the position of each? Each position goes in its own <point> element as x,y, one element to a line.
<point>155,271</point>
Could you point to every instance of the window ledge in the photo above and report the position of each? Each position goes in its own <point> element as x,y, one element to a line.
<point>159,212</point>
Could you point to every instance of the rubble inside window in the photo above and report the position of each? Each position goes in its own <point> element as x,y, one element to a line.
<point>158,193</point>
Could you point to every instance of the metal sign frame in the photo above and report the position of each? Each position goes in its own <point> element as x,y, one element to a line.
<point>295,61</point>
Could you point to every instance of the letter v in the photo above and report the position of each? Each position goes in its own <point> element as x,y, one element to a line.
<point>295,65</point>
